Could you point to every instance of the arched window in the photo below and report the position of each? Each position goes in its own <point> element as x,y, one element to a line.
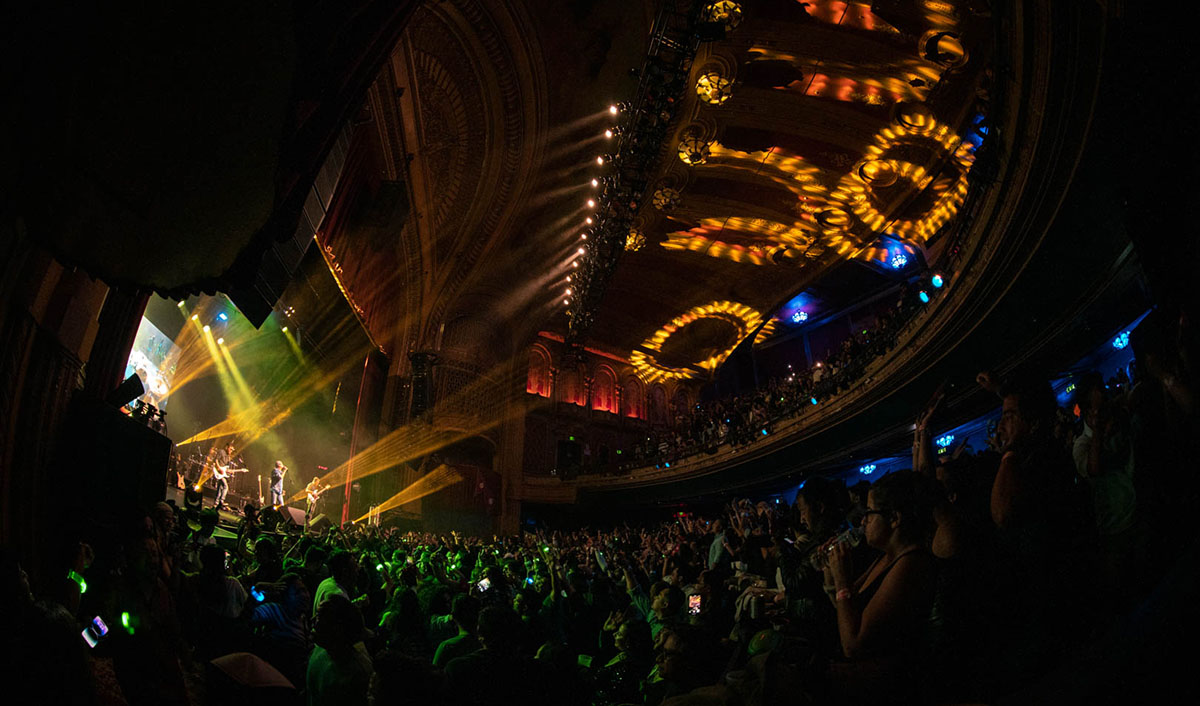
<point>604,390</point>
<point>538,382</point>
<point>570,387</point>
<point>658,405</point>
<point>633,398</point>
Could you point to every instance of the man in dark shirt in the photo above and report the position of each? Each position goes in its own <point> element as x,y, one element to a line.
<point>498,673</point>
<point>277,474</point>
<point>221,463</point>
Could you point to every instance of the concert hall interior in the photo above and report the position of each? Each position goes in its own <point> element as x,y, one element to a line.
<point>662,351</point>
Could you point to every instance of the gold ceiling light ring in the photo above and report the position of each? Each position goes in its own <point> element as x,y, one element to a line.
<point>879,173</point>
<point>694,150</point>
<point>635,241</point>
<point>666,199</point>
<point>644,358</point>
<point>724,12</point>
<point>713,88</point>
<point>834,219</point>
<point>943,48</point>
<point>914,116</point>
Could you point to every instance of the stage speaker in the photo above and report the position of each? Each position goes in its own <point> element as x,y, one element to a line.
<point>320,523</point>
<point>292,516</point>
<point>126,392</point>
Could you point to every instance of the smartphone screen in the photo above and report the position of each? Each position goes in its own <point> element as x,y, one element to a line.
<point>95,631</point>
<point>694,604</point>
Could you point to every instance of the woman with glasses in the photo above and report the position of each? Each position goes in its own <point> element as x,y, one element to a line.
<point>883,612</point>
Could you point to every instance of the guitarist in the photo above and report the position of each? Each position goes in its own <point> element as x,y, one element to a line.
<point>313,493</point>
<point>221,464</point>
<point>277,474</point>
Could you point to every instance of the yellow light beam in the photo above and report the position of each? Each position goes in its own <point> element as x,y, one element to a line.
<point>441,477</point>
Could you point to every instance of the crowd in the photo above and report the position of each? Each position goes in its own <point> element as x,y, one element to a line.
<point>963,579</point>
<point>740,419</point>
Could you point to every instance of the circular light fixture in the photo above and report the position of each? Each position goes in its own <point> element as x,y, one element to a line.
<point>608,133</point>
<point>924,296</point>
<point>899,260</point>
<point>612,109</point>
<point>725,12</point>
<point>799,317</point>
<point>693,150</point>
<point>665,199</point>
<point>937,281</point>
<point>635,240</point>
<point>600,161</point>
<point>591,203</point>
<point>595,182</point>
<point>220,341</point>
<point>588,220</point>
<point>713,88</point>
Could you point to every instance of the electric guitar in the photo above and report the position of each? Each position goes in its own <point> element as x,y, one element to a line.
<point>220,473</point>
<point>313,495</point>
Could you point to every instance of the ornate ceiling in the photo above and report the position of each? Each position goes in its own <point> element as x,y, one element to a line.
<point>809,133</point>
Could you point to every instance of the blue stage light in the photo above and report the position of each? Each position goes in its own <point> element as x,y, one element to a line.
<point>937,281</point>
<point>223,316</point>
<point>867,469</point>
<point>899,260</point>
<point>813,400</point>
<point>1121,340</point>
<point>944,441</point>
<point>924,296</point>
<point>764,431</point>
<point>800,317</point>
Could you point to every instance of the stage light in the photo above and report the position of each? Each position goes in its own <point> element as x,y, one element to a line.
<point>284,329</point>
<point>924,296</point>
<point>798,318</point>
<point>944,441</point>
<point>591,203</point>
<point>223,316</point>
<point>595,182</point>
<point>1121,340</point>
<point>899,260</point>
<point>588,220</point>
<point>206,328</point>
<point>574,263</point>
<point>812,399</point>
<point>220,341</point>
<point>612,109</point>
<point>608,133</point>
<point>937,281</point>
<point>581,251</point>
<point>566,302</point>
<point>181,303</point>
<point>195,317</point>
<point>583,236</point>
<point>568,292</point>
<point>600,161</point>
<point>867,469</point>
<point>764,432</point>
<point>568,278</point>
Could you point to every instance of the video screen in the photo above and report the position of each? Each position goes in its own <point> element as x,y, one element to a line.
<point>153,359</point>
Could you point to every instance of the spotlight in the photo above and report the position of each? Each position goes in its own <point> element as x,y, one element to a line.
<point>223,316</point>
<point>799,317</point>
<point>608,133</point>
<point>206,328</point>
<point>612,109</point>
<point>595,182</point>
<point>588,220</point>
<point>937,281</point>
<point>583,236</point>
<point>924,296</point>
<point>284,329</point>
<point>591,203</point>
<point>568,278</point>
<point>195,317</point>
<point>181,303</point>
<point>1121,340</point>
<point>574,263</point>
<point>812,399</point>
<point>220,341</point>
<point>899,260</point>
<point>567,302</point>
<point>568,292</point>
<point>600,161</point>
<point>581,251</point>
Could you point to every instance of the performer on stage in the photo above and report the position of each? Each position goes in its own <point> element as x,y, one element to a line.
<point>277,474</point>
<point>312,493</point>
<point>221,465</point>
